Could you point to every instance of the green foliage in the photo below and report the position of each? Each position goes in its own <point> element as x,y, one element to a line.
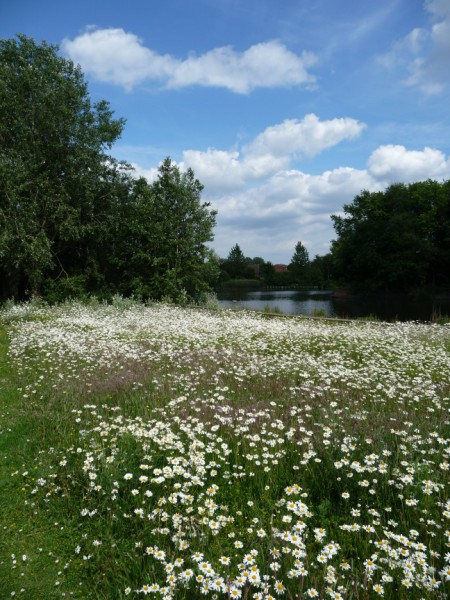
<point>73,221</point>
<point>299,265</point>
<point>273,310</point>
<point>398,239</point>
<point>55,177</point>
<point>321,271</point>
<point>181,227</point>
<point>235,264</point>
<point>209,301</point>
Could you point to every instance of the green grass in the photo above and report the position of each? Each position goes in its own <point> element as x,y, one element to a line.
<point>31,536</point>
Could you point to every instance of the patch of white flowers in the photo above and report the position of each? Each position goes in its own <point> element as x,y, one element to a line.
<point>284,444</point>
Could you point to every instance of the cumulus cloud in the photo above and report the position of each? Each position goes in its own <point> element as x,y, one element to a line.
<point>289,206</point>
<point>394,163</point>
<point>283,204</point>
<point>115,56</point>
<point>292,204</point>
<point>149,174</point>
<point>425,52</point>
<point>308,137</point>
<point>271,151</point>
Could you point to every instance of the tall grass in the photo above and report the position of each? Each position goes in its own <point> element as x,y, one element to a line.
<point>187,454</point>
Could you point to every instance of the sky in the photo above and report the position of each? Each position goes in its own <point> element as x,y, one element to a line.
<point>285,109</point>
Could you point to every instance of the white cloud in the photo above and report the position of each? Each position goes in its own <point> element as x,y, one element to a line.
<point>401,52</point>
<point>425,51</point>
<point>270,152</point>
<point>308,137</point>
<point>290,206</point>
<point>394,163</point>
<point>268,64</point>
<point>277,205</point>
<point>149,174</point>
<point>115,56</point>
<point>294,205</point>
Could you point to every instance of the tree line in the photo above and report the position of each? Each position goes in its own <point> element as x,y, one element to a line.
<point>301,271</point>
<point>75,222</point>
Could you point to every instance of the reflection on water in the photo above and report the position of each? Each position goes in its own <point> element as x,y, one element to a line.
<point>391,307</point>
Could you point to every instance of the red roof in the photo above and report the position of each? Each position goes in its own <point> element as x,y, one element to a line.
<point>280,267</point>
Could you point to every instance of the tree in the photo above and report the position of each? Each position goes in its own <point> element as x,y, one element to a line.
<point>321,271</point>
<point>299,264</point>
<point>181,225</point>
<point>398,239</point>
<point>55,177</point>
<point>235,264</point>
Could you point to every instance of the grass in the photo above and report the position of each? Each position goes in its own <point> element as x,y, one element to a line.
<point>188,454</point>
<point>34,547</point>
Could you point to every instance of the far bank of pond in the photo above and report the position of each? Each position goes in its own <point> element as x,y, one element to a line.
<point>386,307</point>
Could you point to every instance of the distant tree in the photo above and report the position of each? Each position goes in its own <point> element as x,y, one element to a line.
<point>268,273</point>
<point>236,264</point>
<point>299,265</point>
<point>56,179</point>
<point>257,260</point>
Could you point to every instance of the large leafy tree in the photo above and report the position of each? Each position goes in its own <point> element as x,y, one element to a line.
<point>57,183</point>
<point>398,239</point>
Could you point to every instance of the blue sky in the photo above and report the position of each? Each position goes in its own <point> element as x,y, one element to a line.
<point>284,109</point>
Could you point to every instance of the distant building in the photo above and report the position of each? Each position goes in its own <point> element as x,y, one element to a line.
<point>280,268</point>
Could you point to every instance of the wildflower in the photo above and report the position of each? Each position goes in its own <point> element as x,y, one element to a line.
<point>379,589</point>
<point>319,534</point>
<point>279,587</point>
<point>218,584</point>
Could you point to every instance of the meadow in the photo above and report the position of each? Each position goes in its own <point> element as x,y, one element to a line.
<point>179,453</point>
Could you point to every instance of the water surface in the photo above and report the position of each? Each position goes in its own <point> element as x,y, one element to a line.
<point>386,307</point>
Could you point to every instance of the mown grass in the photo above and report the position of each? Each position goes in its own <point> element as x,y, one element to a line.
<point>230,418</point>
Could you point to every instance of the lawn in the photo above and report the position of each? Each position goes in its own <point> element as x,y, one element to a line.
<point>182,453</point>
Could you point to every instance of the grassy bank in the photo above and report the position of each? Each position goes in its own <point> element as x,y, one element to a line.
<point>185,454</point>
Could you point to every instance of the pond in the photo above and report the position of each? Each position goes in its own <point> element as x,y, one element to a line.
<point>386,307</point>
